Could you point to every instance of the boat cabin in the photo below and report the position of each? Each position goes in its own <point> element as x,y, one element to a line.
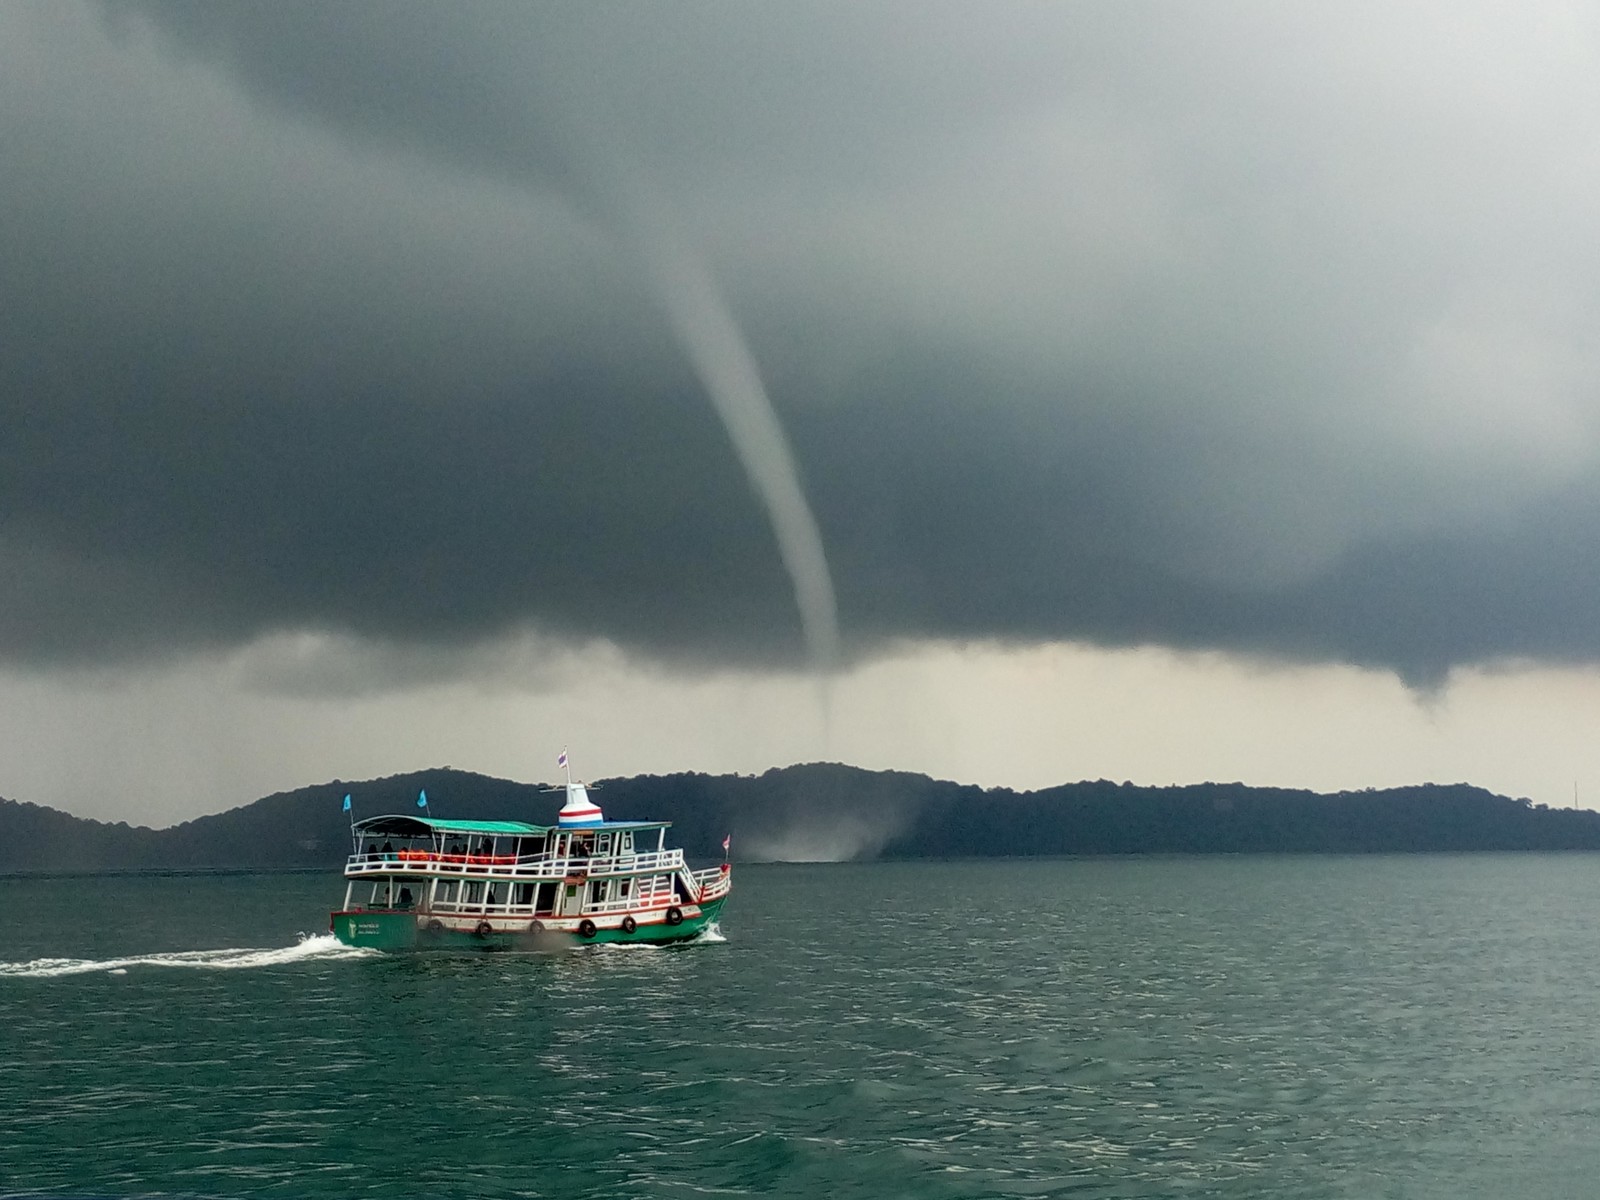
<point>511,869</point>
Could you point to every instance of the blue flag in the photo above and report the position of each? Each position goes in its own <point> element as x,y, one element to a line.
<point>347,802</point>
<point>422,799</point>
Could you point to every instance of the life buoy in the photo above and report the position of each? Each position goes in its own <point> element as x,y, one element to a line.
<point>536,927</point>
<point>674,915</point>
<point>586,928</point>
<point>484,929</point>
<point>436,926</point>
<point>629,924</point>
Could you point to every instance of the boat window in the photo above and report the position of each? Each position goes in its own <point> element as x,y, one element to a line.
<point>602,844</point>
<point>546,899</point>
<point>626,886</point>
<point>471,892</point>
<point>597,890</point>
<point>627,843</point>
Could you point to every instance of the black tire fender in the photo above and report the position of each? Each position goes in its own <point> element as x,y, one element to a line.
<point>435,926</point>
<point>484,929</point>
<point>536,926</point>
<point>674,915</point>
<point>629,924</point>
<point>586,928</point>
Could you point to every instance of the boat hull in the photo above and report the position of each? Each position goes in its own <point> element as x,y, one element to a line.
<point>406,931</point>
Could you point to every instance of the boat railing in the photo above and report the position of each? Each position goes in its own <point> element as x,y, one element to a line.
<point>490,866</point>
<point>650,894</point>
<point>654,895</point>
<point>713,883</point>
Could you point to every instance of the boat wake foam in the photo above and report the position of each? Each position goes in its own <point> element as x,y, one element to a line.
<point>322,945</point>
<point>711,933</point>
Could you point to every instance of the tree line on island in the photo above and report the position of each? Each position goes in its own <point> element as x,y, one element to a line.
<point>824,811</point>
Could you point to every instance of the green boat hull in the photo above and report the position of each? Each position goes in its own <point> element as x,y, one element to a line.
<point>404,931</point>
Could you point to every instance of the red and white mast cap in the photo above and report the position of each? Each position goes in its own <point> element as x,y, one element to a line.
<point>579,809</point>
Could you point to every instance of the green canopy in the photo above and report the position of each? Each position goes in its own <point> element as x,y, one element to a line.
<point>398,826</point>
<point>416,827</point>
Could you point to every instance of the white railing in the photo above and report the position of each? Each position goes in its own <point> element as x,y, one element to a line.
<point>487,867</point>
<point>713,883</point>
<point>655,894</point>
<point>659,879</point>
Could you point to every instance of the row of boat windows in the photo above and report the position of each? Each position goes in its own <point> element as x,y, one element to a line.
<point>473,893</point>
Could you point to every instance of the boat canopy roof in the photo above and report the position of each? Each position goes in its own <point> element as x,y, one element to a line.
<point>404,826</point>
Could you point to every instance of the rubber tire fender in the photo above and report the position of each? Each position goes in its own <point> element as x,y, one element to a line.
<point>435,927</point>
<point>629,924</point>
<point>536,926</point>
<point>674,915</point>
<point>484,929</point>
<point>586,928</point>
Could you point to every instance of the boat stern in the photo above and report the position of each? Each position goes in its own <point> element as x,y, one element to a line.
<point>375,930</point>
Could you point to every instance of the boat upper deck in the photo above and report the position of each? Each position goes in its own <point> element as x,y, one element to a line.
<point>511,850</point>
<point>421,827</point>
<point>510,866</point>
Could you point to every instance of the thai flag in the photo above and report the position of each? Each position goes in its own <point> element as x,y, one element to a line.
<point>725,842</point>
<point>561,759</point>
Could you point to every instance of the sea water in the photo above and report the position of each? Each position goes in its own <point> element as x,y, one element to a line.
<point>1424,1026</point>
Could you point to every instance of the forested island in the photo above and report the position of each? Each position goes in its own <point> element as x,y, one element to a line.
<point>829,812</point>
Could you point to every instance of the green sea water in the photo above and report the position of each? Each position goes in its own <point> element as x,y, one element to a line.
<point>1228,1027</point>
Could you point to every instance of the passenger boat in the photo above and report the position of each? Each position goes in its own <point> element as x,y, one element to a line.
<point>420,883</point>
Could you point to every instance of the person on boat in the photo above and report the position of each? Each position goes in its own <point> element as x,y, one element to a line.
<point>388,850</point>
<point>405,898</point>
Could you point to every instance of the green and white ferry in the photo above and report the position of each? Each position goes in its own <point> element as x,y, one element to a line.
<point>420,883</point>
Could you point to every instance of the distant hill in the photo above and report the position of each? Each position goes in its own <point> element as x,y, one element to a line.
<point>828,811</point>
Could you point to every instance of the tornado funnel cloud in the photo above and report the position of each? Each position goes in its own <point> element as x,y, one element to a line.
<point>728,371</point>
<point>721,359</point>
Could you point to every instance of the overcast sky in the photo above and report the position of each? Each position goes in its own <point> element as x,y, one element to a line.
<point>1171,392</point>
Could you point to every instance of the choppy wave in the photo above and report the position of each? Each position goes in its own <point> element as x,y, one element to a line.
<point>323,945</point>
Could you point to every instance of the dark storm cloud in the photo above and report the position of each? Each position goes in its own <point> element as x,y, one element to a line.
<point>1235,328</point>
